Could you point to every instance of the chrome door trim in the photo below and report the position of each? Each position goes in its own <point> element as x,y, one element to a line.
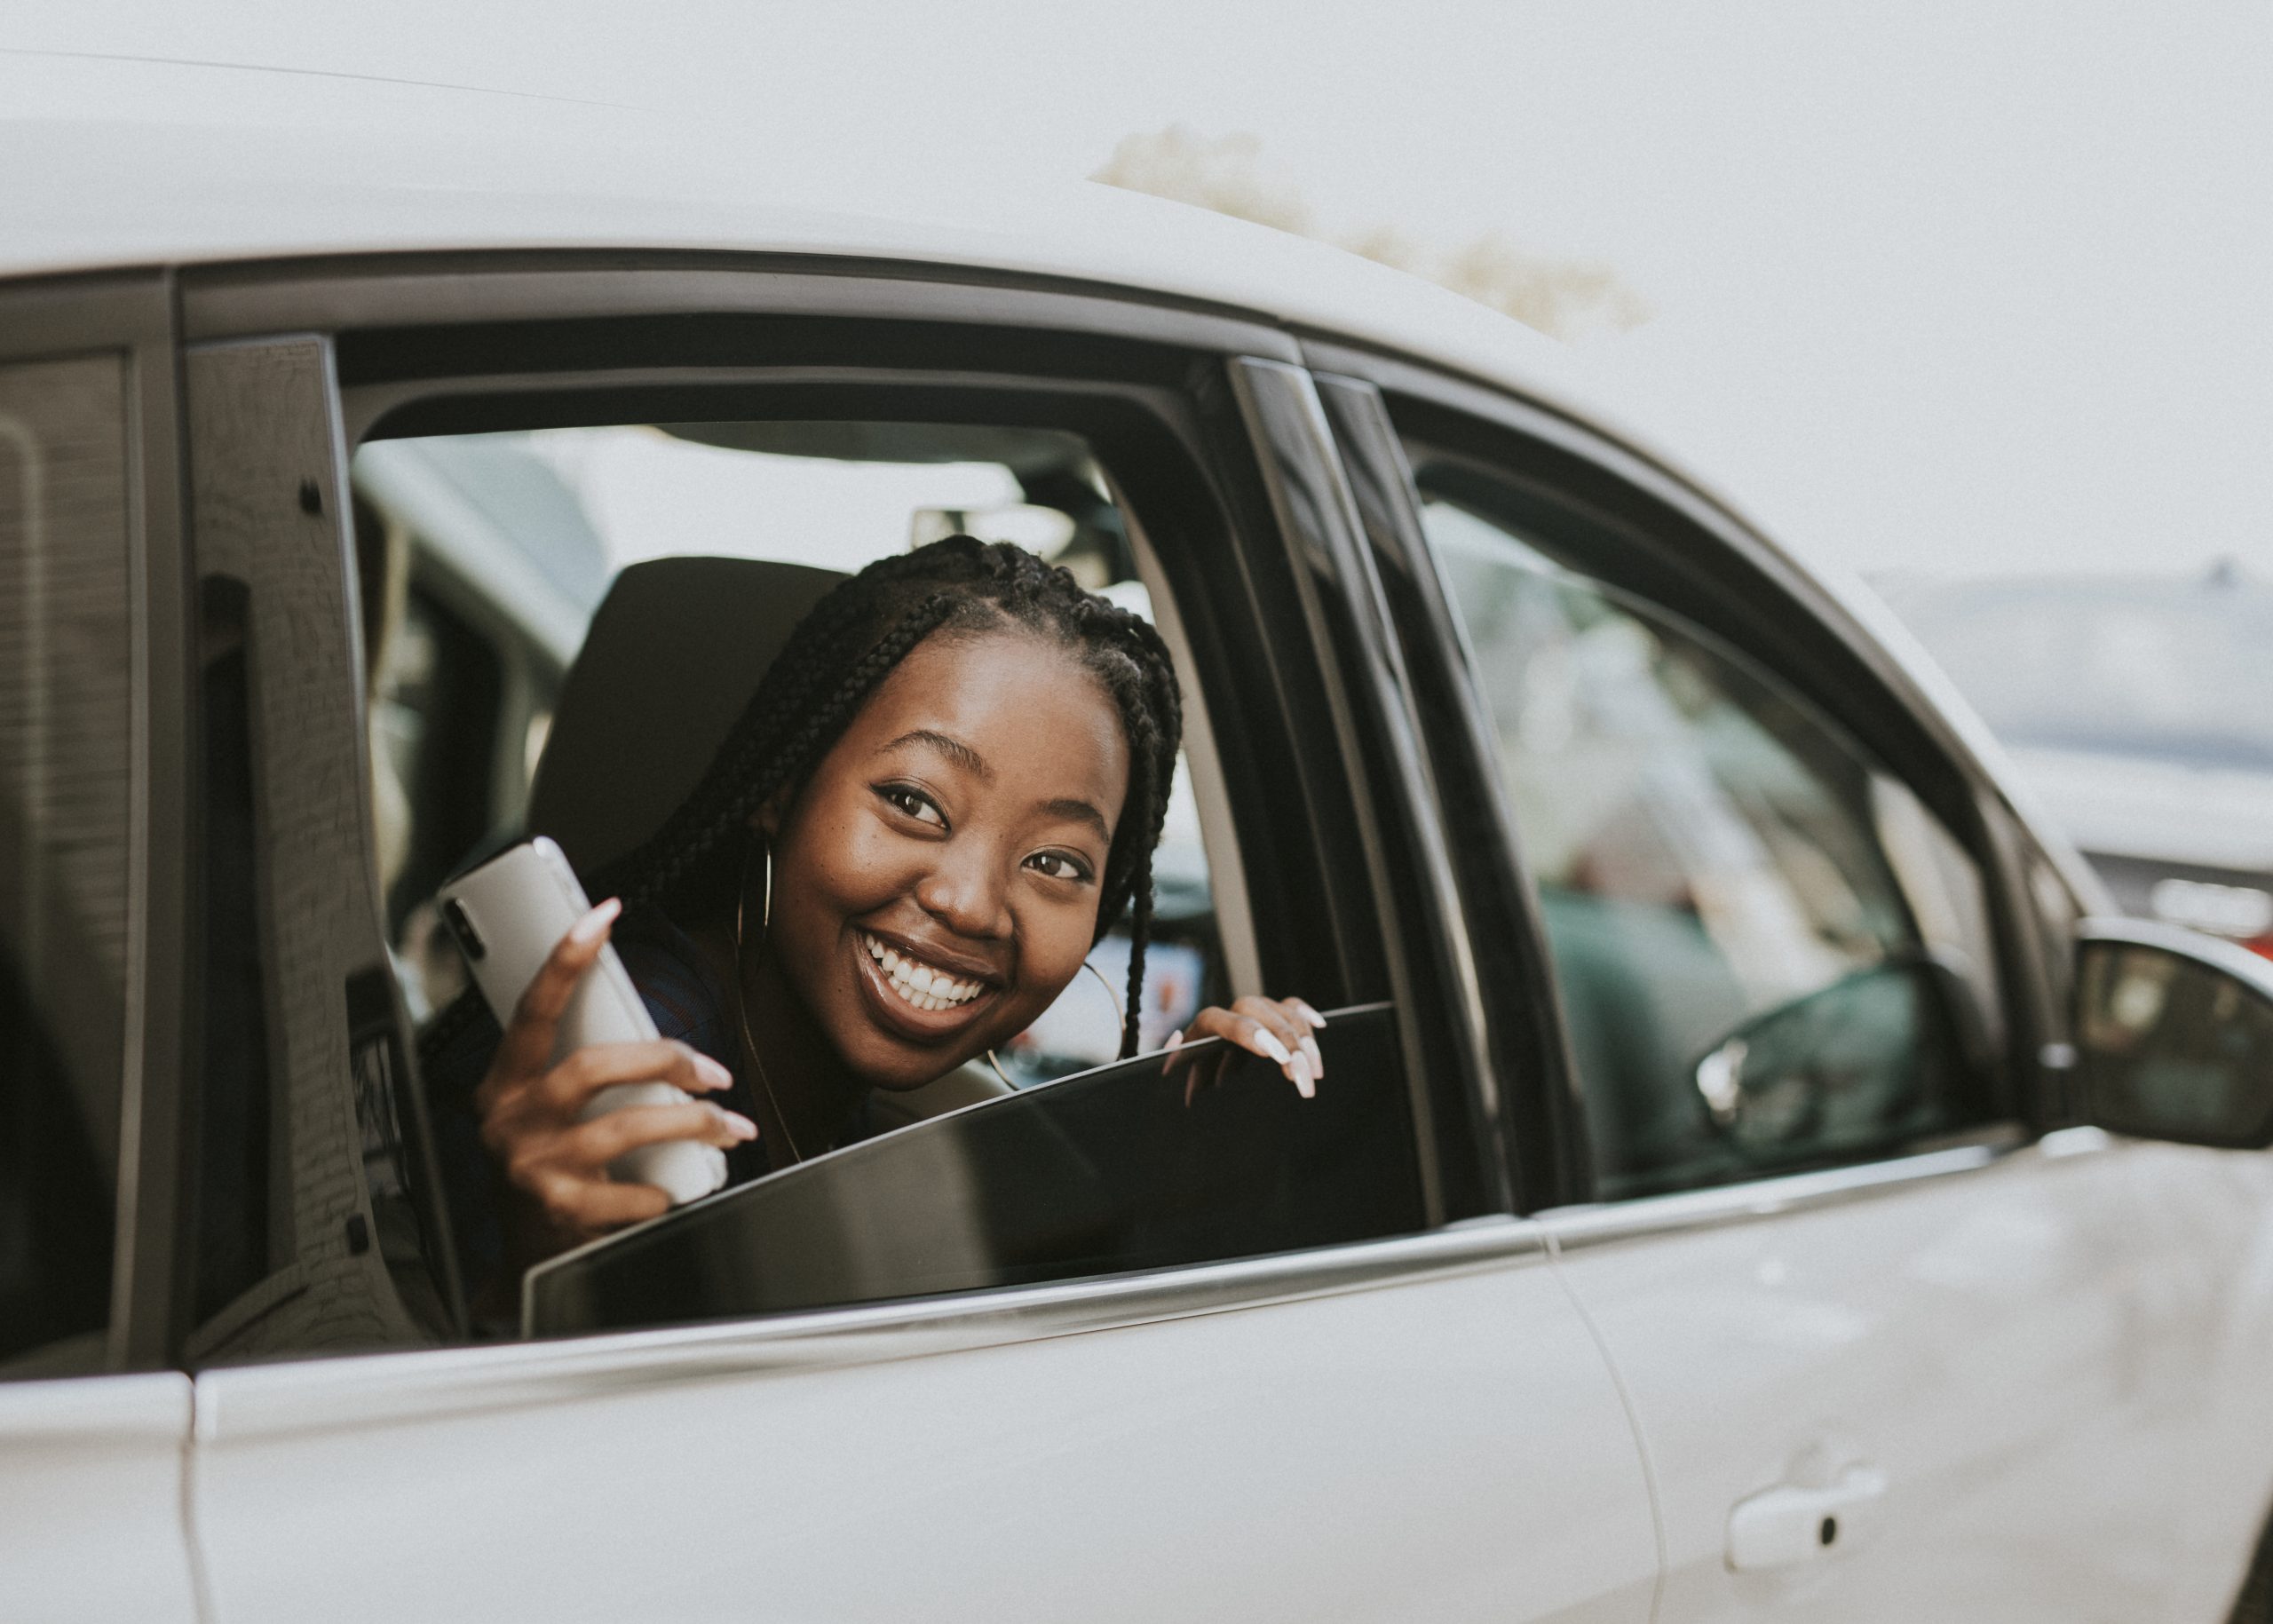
<point>1600,1224</point>
<point>376,1389</point>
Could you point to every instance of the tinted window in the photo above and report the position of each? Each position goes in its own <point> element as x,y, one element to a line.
<point>1722,871</point>
<point>1110,1170</point>
<point>64,766</point>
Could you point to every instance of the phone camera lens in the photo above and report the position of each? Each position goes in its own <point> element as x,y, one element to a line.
<point>469,938</point>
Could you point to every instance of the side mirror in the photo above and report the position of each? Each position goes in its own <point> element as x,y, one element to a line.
<point>2174,1034</point>
<point>1838,1066</point>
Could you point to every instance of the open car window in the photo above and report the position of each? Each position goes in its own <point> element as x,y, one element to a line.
<point>486,558</point>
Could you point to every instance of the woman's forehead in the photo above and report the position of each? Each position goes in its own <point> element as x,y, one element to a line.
<point>1024,704</point>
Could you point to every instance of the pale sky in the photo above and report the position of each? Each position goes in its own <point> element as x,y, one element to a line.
<point>1945,285</point>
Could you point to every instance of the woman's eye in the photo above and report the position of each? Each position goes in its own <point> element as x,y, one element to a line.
<point>915,802</point>
<point>1058,866</point>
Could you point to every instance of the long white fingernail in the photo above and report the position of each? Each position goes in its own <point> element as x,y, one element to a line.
<point>589,929</point>
<point>1309,1014</point>
<point>1176,1040</point>
<point>1317,1060</point>
<point>1304,1085</point>
<point>1271,1046</point>
<point>739,1126</point>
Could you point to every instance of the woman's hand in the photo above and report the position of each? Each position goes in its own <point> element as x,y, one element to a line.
<point>1279,1029</point>
<point>529,1107</point>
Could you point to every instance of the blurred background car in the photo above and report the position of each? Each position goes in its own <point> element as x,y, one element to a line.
<point>2139,709</point>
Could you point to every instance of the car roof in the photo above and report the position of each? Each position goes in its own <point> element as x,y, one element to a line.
<point>200,162</point>
<point>194,162</point>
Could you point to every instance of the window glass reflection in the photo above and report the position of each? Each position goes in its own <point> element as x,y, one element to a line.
<point>1715,874</point>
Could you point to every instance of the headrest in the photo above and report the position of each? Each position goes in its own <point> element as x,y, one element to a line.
<point>673,655</point>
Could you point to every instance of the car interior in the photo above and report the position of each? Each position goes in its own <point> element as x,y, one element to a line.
<point>483,734</point>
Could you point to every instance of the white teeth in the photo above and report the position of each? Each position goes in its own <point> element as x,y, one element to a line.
<point>919,984</point>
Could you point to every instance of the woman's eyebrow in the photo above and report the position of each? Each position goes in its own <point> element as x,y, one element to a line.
<point>1081,812</point>
<point>954,749</point>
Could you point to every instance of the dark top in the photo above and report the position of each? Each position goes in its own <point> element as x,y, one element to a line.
<point>685,1001</point>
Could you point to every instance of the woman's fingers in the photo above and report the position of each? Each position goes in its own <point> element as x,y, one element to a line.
<point>1264,1027</point>
<point>584,1206</point>
<point>1285,1038</point>
<point>528,1039</point>
<point>568,1087</point>
<point>595,1143</point>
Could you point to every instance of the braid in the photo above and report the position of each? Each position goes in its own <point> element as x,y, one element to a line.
<point>837,658</point>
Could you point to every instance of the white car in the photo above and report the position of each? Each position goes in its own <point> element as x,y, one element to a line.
<point>1749,1180</point>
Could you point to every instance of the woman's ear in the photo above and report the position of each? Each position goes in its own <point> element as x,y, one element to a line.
<point>767,819</point>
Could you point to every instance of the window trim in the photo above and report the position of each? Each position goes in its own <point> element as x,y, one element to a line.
<point>507,286</point>
<point>1179,358</point>
<point>1370,693</point>
<point>135,314</point>
<point>351,1392</point>
<point>1539,1130</point>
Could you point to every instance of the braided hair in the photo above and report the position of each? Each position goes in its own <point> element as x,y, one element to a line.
<point>839,654</point>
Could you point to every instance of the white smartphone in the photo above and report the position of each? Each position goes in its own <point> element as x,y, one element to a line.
<point>508,916</point>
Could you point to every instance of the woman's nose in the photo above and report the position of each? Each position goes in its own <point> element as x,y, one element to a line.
<point>965,893</point>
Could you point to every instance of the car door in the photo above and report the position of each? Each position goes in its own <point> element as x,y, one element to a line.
<point>92,1428</point>
<point>1086,1350</point>
<point>1893,1354</point>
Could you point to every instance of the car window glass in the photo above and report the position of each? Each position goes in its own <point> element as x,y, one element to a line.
<point>66,719</point>
<point>1151,1164</point>
<point>1747,982</point>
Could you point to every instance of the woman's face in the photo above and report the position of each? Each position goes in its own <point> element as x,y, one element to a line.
<point>936,883</point>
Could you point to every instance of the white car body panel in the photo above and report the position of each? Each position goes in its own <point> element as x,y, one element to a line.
<point>92,1493</point>
<point>1449,1447</point>
<point>2005,1345</point>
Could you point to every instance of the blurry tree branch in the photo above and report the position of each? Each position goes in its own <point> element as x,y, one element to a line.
<point>1558,296</point>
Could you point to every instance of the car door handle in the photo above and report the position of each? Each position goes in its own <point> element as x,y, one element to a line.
<point>1793,1523</point>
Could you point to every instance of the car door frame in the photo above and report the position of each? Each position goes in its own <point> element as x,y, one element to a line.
<point>1310,595</point>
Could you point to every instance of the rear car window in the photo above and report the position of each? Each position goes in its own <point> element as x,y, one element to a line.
<point>66,732</point>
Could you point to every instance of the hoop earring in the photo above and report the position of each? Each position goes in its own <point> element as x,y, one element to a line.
<point>741,981</point>
<point>1119,1011</point>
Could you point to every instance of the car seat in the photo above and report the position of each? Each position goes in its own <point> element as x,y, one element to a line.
<point>673,655</point>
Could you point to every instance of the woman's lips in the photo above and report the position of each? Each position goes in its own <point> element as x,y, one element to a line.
<point>921,982</point>
<point>892,999</point>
